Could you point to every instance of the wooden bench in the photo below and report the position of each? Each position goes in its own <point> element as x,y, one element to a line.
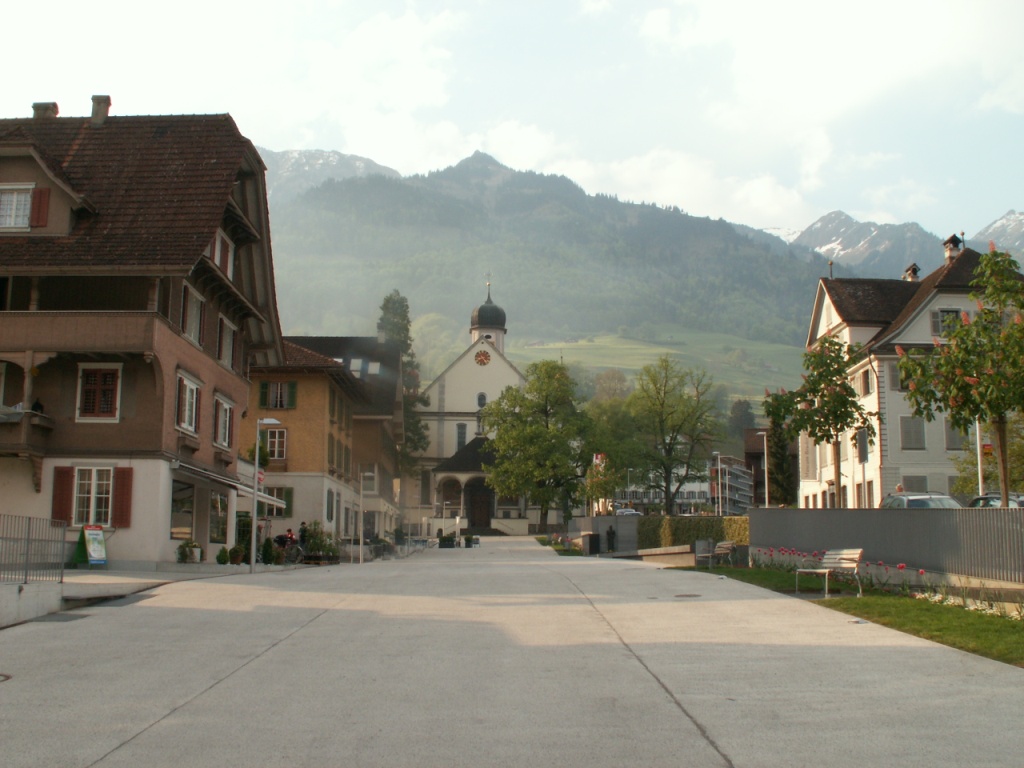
<point>722,549</point>
<point>836,561</point>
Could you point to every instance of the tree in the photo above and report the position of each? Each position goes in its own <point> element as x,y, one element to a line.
<point>394,323</point>
<point>781,488</point>
<point>741,417</point>
<point>611,384</point>
<point>826,406</point>
<point>539,443</point>
<point>976,374</point>
<point>675,417</point>
<point>966,465</point>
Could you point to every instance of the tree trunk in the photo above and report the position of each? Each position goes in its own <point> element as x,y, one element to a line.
<point>998,426</point>
<point>837,478</point>
<point>542,524</point>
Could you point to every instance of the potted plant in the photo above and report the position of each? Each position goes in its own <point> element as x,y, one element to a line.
<point>236,554</point>
<point>189,551</point>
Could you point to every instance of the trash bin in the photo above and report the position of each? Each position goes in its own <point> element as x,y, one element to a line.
<point>591,544</point>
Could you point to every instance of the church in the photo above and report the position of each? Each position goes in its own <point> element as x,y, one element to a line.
<point>450,493</point>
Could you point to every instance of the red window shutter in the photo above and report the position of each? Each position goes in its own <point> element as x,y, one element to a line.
<point>63,493</point>
<point>40,207</point>
<point>122,511</point>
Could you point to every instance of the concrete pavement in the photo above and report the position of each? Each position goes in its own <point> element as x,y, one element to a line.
<point>506,655</point>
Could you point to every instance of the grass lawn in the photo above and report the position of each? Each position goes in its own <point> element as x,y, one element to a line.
<point>991,636</point>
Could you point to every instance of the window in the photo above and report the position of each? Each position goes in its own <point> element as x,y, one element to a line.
<point>183,497</point>
<point>911,435</point>
<point>193,309</point>
<point>283,494</point>
<point>943,320</point>
<point>93,495</point>
<point>223,414</point>
<point>15,206</point>
<point>278,394</point>
<point>895,380</point>
<point>189,392</point>
<point>222,253</point>
<point>277,443</point>
<point>373,367</point>
<point>915,483</point>
<point>424,487</point>
<point>218,518</point>
<point>330,451</point>
<point>481,400</point>
<point>955,439</point>
<point>460,436</point>
<point>330,506</point>
<point>99,392</point>
<point>866,386</point>
<point>226,342</point>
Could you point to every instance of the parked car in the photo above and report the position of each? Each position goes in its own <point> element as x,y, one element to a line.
<point>627,511</point>
<point>925,500</point>
<point>996,500</point>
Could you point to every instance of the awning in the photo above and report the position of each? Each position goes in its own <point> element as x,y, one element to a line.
<point>231,482</point>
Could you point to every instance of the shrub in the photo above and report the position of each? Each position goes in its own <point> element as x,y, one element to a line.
<point>222,556</point>
<point>267,551</point>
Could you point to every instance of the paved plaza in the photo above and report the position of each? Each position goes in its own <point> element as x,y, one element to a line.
<point>505,655</point>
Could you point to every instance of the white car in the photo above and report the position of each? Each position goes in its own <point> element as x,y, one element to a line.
<point>627,511</point>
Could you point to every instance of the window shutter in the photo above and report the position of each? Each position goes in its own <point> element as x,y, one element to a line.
<point>40,207</point>
<point>293,393</point>
<point>184,308</point>
<point>287,501</point>
<point>264,390</point>
<point>63,493</point>
<point>122,511</point>
<point>199,396</point>
<point>179,419</point>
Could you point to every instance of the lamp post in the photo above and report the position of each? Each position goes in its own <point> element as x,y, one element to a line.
<point>764,435</point>
<point>256,491</point>
<point>362,511</point>
<point>718,483</point>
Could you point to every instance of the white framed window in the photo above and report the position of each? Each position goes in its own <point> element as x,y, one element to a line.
<point>99,392</point>
<point>278,394</point>
<point>223,414</point>
<point>943,320</point>
<point>277,444</point>
<point>189,396</point>
<point>193,310</point>
<point>15,206</point>
<point>93,495</point>
<point>226,341</point>
<point>460,436</point>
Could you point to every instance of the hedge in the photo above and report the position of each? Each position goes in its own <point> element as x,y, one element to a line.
<point>657,531</point>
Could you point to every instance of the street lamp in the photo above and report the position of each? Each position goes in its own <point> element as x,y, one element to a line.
<point>718,483</point>
<point>764,435</point>
<point>256,491</point>
<point>362,511</point>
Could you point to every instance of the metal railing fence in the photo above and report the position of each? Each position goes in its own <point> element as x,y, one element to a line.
<point>31,549</point>
<point>981,543</point>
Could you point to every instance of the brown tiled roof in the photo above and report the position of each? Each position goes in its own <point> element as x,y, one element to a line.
<point>868,301</point>
<point>299,358</point>
<point>157,186</point>
<point>470,458</point>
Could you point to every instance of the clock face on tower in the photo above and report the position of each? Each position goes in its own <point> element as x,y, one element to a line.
<point>483,357</point>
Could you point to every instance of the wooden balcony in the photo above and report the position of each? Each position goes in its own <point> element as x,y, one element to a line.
<point>126,332</point>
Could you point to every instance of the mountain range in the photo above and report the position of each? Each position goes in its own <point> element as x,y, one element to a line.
<point>562,263</point>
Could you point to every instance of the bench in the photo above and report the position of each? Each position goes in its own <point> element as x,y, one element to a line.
<point>836,561</point>
<point>722,549</point>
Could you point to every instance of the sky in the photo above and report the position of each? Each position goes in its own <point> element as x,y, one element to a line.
<point>769,114</point>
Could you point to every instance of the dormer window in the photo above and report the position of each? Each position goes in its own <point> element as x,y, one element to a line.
<point>15,206</point>
<point>222,253</point>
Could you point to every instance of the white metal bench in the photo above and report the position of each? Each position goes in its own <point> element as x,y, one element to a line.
<point>722,549</point>
<point>844,561</point>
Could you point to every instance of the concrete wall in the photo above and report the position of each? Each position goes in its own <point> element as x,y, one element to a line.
<point>24,602</point>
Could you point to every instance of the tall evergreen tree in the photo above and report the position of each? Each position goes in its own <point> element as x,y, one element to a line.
<point>396,326</point>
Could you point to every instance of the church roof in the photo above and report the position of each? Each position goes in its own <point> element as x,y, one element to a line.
<point>488,315</point>
<point>470,458</point>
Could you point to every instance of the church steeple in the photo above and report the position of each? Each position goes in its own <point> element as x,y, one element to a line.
<point>488,322</point>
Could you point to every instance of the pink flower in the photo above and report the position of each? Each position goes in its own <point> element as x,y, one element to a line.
<point>972,379</point>
<point>920,572</point>
<point>991,246</point>
<point>965,318</point>
<point>880,562</point>
<point>900,351</point>
<point>901,566</point>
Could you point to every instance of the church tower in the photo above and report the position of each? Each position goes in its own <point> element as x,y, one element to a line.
<point>488,322</point>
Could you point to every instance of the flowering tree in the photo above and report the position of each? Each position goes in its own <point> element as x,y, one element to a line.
<point>977,372</point>
<point>826,406</point>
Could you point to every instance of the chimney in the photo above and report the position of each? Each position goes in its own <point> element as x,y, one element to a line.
<point>44,109</point>
<point>100,110</point>
<point>910,273</point>
<point>952,245</point>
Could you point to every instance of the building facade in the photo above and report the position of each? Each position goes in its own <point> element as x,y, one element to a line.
<point>880,315</point>
<point>136,286</point>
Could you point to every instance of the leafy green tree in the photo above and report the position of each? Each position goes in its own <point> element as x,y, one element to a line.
<point>540,439</point>
<point>826,406</point>
<point>741,417</point>
<point>977,373</point>
<point>611,384</point>
<point>395,324</point>
<point>675,418</point>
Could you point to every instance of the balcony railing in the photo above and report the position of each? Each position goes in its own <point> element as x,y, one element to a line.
<point>31,549</point>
